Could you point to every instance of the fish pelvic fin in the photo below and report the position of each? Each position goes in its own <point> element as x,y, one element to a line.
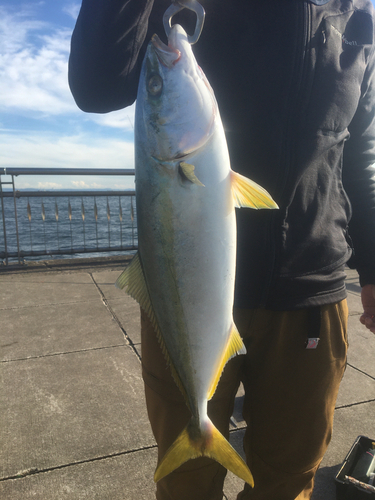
<point>194,442</point>
<point>133,282</point>
<point>234,347</point>
<point>247,193</point>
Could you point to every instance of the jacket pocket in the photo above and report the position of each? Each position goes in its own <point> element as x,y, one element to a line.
<point>340,50</point>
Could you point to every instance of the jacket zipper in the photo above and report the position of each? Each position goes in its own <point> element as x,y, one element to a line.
<point>301,76</point>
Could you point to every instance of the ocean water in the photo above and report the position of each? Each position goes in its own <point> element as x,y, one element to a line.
<point>60,227</point>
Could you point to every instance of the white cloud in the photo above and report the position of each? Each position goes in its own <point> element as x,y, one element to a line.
<point>49,185</point>
<point>33,66</point>
<point>24,185</point>
<point>80,184</point>
<point>123,119</point>
<point>72,10</point>
<point>15,27</point>
<point>41,150</point>
<point>34,85</point>
<point>34,71</point>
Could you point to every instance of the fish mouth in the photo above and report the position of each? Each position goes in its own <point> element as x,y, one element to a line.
<point>167,55</point>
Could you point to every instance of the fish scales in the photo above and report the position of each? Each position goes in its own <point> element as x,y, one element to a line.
<point>184,272</point>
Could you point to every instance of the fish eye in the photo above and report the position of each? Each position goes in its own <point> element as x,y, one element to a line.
<point>155,85</point>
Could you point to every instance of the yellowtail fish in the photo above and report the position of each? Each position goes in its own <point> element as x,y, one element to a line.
<point>183,275</point>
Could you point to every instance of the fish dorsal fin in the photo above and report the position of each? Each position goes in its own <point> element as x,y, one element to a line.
<point>188,171</point>
<point>132,281</point>
<point>234,347</point>
<point>247,193</point>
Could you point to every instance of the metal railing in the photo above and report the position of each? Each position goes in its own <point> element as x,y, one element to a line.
<point>65,222</point>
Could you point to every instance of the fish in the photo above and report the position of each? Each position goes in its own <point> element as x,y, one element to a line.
<point>183,274</point>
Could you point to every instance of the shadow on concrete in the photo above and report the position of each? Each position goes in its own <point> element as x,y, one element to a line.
<point>325,483</point>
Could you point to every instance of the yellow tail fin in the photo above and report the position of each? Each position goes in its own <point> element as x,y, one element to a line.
<point>193,443</point>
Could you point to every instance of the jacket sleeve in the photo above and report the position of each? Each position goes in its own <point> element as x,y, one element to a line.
<point>359,178</point>
<point>107,49</point>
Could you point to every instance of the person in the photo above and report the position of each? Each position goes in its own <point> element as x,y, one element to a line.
<point>295,84</point>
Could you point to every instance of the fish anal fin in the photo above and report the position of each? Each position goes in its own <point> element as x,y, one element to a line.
<point>133,282</point>
<point>193,442</point>
<point>234,347</point>
<point>187,171</point>
<point>247,193</point>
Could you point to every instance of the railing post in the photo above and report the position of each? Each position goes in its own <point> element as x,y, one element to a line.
<point>83,222</point>
<point>4,225</point>
<point>109,224</point>
<point>16,219</point>
<point>96,222</point>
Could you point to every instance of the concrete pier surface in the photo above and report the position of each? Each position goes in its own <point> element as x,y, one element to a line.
<point>73,418</point>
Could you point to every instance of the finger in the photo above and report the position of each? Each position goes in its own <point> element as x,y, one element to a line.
<point>369,322</point>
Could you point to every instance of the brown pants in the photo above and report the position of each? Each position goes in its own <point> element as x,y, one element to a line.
<point>290,395</point>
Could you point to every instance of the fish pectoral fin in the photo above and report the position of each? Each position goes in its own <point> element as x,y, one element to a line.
<point>193,443</point>
<point>234,347</point>
<point>247,193</point>
<point>187,170</point>
<point>133,282</point>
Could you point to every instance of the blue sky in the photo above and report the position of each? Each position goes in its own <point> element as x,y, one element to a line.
<point>40,125</point>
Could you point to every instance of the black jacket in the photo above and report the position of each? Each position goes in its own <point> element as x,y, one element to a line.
<point>295,83</point>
